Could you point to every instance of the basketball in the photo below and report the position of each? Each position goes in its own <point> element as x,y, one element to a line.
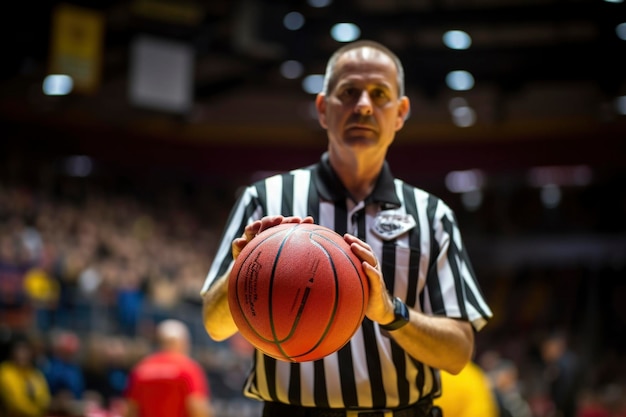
<point>297,292</point>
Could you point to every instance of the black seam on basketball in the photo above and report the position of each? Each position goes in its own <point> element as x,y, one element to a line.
<point>239,305</point>
<point>347,255</point>
<point>335,304</point>
<point>270,303</point>
<point>336,280</point>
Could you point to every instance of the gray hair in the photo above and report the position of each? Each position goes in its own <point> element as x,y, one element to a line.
<point>329,77</point>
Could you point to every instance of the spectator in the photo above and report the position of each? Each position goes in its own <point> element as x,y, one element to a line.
<point>63,372</point>
<point>561,373</point>
<point>468,394</point>
<point>23,388</point>
<point>505,379</point>
<point>169,382</point>
<point>42,290</point>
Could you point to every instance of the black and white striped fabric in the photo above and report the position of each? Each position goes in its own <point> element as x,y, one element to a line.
<point>426,266</point>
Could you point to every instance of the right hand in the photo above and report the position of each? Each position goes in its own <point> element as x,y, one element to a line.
<point>258,226</point>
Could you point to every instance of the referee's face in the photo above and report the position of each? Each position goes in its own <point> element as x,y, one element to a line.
<point>362,110</point>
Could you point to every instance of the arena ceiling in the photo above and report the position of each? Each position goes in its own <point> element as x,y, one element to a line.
<point>543,68</point>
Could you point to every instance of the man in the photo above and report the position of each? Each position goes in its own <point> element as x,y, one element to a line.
<point>424,304</point>
<point>168,382</point>
<point>63,372</point>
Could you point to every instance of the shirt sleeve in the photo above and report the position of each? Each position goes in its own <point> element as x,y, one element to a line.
<point>246,210</point>
<point>197,380</point>
<point>454,290</point>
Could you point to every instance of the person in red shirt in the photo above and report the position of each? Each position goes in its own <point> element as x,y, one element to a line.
<point>169,382</point>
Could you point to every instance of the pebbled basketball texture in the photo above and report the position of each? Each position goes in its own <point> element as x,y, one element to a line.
<point>297,292</point>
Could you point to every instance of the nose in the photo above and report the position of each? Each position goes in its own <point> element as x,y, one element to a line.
<point>364,104</point>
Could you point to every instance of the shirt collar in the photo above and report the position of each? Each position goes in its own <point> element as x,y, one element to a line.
<point>331,188</point>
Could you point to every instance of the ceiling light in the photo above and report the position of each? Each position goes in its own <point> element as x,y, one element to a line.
<point>313,83</point>
<point>620,30</point>
<point>457,39</point>
<point>319,3</point>
<point>465,181</point>
<point>460,80</point>
<point>456,102</point>
<point>57,85</point>
<point>550,195</point>
<point>78,166</point>
<point>293,20</point>
<point>345,32</point>
<point>620,105</point>
<point>472,200</point>
<point>464,116</point>
<point>575,175</point>
<point>291,69</point>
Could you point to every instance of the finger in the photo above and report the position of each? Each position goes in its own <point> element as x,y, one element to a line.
<point>362,250</point>
<point>238,245</point>
<point>351,239</point>
<point>298,219</point>
<point>252,230</point>
<point>292,219</point>
<point>270,221</point>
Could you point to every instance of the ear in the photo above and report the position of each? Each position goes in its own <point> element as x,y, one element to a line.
<point>403,112</point>
<point>320,105</point>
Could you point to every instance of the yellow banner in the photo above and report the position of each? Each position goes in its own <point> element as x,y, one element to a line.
<point>76,47</point>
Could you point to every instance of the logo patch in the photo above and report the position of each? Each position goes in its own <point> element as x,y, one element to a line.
<point>389,226</point>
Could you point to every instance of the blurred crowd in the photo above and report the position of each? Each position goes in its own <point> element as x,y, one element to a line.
<point>86,273</point>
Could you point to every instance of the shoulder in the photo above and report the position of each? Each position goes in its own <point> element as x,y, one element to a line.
<point>192,364</point>
<point>266,177</point>
<point>425,199</point>
<point>272,183</point>
<point>6,368</point>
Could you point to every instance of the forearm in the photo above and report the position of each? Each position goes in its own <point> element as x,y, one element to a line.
<point>439,342</point>
<point>216,316</point>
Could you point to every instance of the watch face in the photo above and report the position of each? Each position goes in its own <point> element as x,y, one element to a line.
<point>401,313</point>
<point>401,310</point>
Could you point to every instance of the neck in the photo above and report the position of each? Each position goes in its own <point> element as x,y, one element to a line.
<point>358,173</point>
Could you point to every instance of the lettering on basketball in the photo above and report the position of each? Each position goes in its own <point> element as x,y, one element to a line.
<point>309,283</point>
<point>313,272</point>
<point>252,277</point>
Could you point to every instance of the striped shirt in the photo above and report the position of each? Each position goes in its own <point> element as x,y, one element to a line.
<point>426,266</point>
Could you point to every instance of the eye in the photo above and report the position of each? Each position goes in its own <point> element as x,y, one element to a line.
<point>379,92</point>
<point>349,93</point>
<point>379,95</point>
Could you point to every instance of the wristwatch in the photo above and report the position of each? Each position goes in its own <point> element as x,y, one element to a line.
<point>401,313</point>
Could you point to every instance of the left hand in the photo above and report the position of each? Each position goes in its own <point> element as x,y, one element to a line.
<point>380,306</point>
<point>440,342</point>
<point>258,226</point>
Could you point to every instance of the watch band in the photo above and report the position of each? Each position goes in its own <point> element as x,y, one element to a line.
<point>401,313</point>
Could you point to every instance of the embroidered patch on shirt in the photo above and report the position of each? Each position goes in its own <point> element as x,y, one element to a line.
<point>389,226</point>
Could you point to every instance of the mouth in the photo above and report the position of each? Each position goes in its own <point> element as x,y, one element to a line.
<point>360,128</point>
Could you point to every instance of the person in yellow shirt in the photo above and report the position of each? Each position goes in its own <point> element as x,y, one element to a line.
<point>23,388</point>
<point>467,394</point>
<point>43,292</point>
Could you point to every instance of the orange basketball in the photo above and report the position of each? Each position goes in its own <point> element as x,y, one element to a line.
<point>297,292</point>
